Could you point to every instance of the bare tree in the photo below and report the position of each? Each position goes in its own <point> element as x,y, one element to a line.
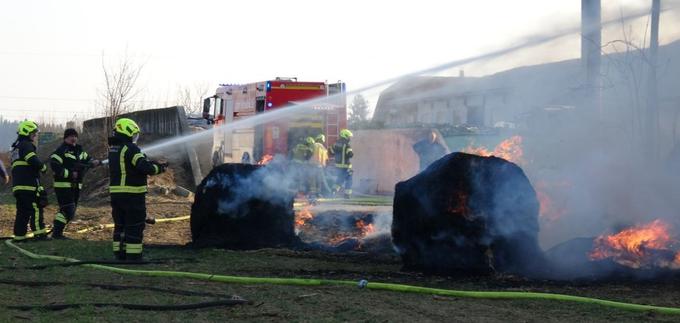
<point>120,88</point>
<point>191,98</point>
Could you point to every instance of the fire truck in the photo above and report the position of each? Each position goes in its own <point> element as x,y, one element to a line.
<point>263,140</point>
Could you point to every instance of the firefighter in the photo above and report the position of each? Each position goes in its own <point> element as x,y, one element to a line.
<point>299,157</point>
<point>128,171</point>
<point>342,153</point>
<point>30,195</point>
<point>68,163</point>
<point>318,164</point>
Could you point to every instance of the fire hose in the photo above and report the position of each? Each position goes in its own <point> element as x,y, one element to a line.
<point>148,221</point>
<point>362,284</point>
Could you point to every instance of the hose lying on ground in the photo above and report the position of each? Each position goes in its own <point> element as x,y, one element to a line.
<point>139,307</point>
<point>111,225</point>
<point>363,284</point>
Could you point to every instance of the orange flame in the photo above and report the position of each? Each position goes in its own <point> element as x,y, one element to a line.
<point>302,217</point>
<point>509,149</point>
<point>364,228</point>
<point>265,159</point>
<point>549,210</point>
<point>640,246</point>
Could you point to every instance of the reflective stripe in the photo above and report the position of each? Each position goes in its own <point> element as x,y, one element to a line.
<point>23,188</point>
<point>19,163</point>
<point>72,156</point>
<point>136,157</point>
<point>82,156</point>
<point>116,246</point>
<point>123,173</point>
<point>65,173</point>
<point>155,167</point>
<point>36,219</point>
<point>133,248</point>
<point>66,185</point>
<point>343,166</point>
<point>44,168</point>
<point>127,189</point>
<point>61,218</point>
<point>57,158</point>
<point>29,155</point>
<point>19,238</point>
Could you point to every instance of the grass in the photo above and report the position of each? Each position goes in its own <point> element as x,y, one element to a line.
<point>283,303</point>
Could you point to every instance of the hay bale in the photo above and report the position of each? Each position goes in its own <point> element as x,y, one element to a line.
<point>239,206</point>
<point>467,213</point>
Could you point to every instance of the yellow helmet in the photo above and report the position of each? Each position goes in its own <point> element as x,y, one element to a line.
<point>27,127</point>
<point>321,138</point>
<point>127,127</point>
<point>310,140</point>
<point>344,133</point>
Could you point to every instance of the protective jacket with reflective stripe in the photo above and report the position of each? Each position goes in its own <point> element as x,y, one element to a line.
<point>128,168</point>
<point>342,152</point>
<point>65,160</point>
<point>26,166</point>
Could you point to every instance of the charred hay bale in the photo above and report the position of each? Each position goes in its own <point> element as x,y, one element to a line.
<point>240,206</point>
<point>467,213</point>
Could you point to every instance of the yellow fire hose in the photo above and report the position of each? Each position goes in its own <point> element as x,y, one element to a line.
<point>362,284</point>
<point>111,225</point>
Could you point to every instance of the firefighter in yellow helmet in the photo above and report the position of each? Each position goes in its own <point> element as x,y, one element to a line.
<point>318,164</point>
<point>30,195</point>
<point>128,171</point>
<point>342,153</point>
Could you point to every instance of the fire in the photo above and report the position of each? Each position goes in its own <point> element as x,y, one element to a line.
<point>549,209</point>
<point>509,149</point>
<point>302,217</point>
<point>364,228</point>
<point>647,245</point>
<point>265,159</point>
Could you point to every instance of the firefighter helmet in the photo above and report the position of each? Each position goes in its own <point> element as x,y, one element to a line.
<point>127,127</point>
<point>321,138</point>
<point>27,127</point>
<point>310,140</point>
<point>344,133</point>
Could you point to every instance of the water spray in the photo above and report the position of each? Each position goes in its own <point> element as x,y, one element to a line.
<point>283,112</point>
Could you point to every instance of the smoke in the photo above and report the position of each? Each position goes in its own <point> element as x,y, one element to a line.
<point>268,183</point>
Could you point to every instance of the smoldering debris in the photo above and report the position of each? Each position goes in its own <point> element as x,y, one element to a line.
<point>467,213</point>
<point>242,206</point>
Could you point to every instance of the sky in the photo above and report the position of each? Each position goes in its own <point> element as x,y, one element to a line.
<point>52,52</point>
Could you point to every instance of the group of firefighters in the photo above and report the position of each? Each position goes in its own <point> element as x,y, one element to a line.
<point>311,168</point>
<point>128,171</point>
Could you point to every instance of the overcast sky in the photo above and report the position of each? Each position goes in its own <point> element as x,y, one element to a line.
<point>51,51</point>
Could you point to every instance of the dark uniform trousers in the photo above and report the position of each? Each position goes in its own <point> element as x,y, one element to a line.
<point>68,202</point>
<point>28,213</point>
<point>129,213</point>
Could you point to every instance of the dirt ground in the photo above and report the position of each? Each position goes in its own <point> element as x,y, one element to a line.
<point>165,243</point>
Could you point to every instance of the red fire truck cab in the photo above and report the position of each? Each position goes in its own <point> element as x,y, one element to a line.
<point>250,143</point>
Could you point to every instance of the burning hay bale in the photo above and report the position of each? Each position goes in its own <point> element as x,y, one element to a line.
<point>241,206</point>
<point>467,213</point>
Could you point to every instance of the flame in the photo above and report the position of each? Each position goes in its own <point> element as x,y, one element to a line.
<point>549,210</point>
<point>644,245</point>
<point>364,228</point>
<point>509,149</point>
<point>302,217</point>
<point>265,159</point>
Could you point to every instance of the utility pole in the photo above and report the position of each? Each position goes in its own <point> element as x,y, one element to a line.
<point>652,120</point>
<point>591,44</point>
